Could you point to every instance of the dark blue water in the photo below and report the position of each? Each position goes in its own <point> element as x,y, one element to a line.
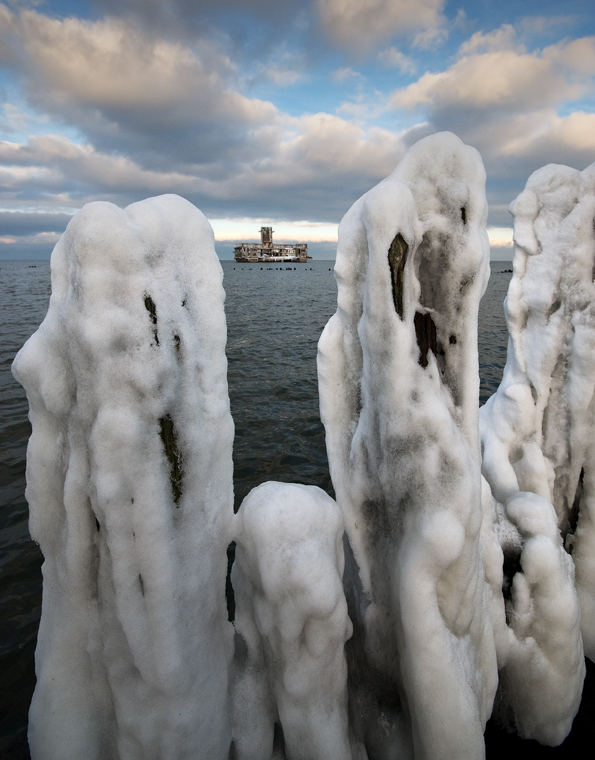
<point>274,320</point>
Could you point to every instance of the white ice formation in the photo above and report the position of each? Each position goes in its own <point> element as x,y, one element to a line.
<point>398,378</point>
<point>385,624</point>
<point>539,451</point>
<point>292,624</point>
<point>129,483</point>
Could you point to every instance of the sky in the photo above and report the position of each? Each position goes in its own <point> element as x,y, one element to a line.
<point>278,112</point>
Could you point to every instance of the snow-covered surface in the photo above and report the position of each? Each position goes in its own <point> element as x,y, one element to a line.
<point>292,624</point>
<point>129,483</point>
<point>398,377</point>
<point>538,449</point>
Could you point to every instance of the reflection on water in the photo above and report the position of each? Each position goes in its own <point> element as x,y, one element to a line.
<point>274,317</point>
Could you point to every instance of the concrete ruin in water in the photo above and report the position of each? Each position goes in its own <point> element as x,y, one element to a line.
<point>253,253</point>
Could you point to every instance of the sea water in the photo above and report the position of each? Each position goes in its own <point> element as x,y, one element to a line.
<point>275,314</point>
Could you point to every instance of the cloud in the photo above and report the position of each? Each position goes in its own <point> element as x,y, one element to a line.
<point>362,24</point>
<point>162,115</point>
<point>502,79</point>
<point>13,119</point>
<point>343,74</point>
<point>150,110</point>
<point>26,223</point>
<point>189,17</point>
<point>577,56</point>
<point>284,231</point>
<point>283,67</point>
<point>129,89</point>
<point>49,163</point>
<point>512,105</point>
<point>500,39</point>
<point>500,237</point>
<point>492,72</point>
<point>283,77</point>
<point>108,64</point>
<point>315,166</point>
<point>565,139</point>
<point>391,58</point>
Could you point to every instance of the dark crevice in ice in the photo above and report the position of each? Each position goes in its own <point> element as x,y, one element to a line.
<point>464,214</point>
<point>168,436</point>
<point>553,308</point>
<point>229,592</point>
<point>279,742</point>
<point>397,258</point>
<point>568,528</point>
<point>425,333</point>
<point>511,566</point>
<point>152,309</point>
<point>141,584</point>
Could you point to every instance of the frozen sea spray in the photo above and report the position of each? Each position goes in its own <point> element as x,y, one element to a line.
<point>538,450</point>
<point>292,624</point>
<point>129,483</point>
<point>398,376</point>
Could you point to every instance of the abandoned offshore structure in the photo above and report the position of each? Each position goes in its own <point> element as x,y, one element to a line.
<point>252,253</point>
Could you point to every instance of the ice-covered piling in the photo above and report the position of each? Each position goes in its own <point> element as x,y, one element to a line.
<point>129,484</point>
<point>292,624</point>
<point>538,452</point>
<point>398,378</point>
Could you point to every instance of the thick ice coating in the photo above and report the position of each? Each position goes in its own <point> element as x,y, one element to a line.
<point>290,692</point>
<point>538,450</point>
<point>129,483</point>
<point>398,377</point>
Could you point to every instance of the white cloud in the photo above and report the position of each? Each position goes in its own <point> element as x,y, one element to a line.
<point>392,58</point>
<point>492,42</point>
<point>513,106</point>
<point>154,114</point>
<point>577,56</point>
<point>283,77</point>
<point>574,133</point>
<point>13,118</point>
<point>342,74</point>
<point>362,24</point>
<point>110,65</point>
<point>500,237</point>
<point>53,162</point>
<point>502,79</point>
<point>317,162</point>
<point>493,72</point>
<point>163,116</point>
<point>284,231</point>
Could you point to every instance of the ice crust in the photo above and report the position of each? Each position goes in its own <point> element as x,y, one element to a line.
<point>537,442</point>
<point>292,624</point>
<point>129,484</point>
<point>398,379</point>
<point>453,576</point>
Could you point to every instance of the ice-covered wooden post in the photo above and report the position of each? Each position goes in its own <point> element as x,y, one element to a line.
<point>291,622</point>
<point>398,377</point>
<point>129,483</point>
<point>539,453</point>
